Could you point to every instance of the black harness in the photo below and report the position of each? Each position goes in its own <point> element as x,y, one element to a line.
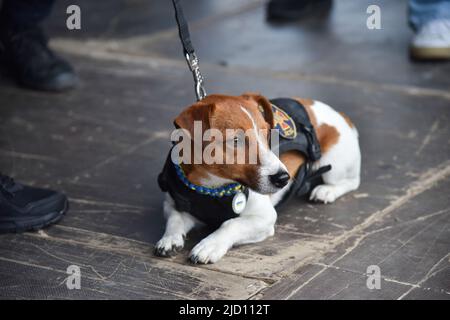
<point>305,141</point>
<point>215,210</point>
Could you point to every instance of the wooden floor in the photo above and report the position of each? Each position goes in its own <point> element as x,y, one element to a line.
<point>104,144</point>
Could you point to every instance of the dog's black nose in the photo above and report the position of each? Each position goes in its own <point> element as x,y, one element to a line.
<point>279,179</point>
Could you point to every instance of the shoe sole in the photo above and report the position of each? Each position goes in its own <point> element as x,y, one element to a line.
<point>66,85</point>
<point>422,53</point>
<point>33,224</point>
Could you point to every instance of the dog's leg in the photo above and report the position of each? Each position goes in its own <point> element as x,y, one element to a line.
<point>329,192</point>
<point>255,224</point>
<point>177,226</point>
<point>340,149</point>
<point>343,177</point>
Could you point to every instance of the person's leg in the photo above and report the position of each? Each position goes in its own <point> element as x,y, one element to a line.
<point>27,54</point>
<point>430,19</point>
<point>24,208</point>
<point>422,12</point>
<point>19,15</point>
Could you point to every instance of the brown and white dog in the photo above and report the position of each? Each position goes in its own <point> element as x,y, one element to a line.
<point>338,139</point>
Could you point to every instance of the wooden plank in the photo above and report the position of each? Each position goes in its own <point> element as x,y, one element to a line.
<point>30,262</point>
<point>383,59</point>
<point>104,145</point>
<point>122,19</point>
<point>410,245</point>
<point>114,185</point>
<point>268,261</point>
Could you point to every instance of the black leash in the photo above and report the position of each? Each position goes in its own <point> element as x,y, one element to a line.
<point>188,49</point>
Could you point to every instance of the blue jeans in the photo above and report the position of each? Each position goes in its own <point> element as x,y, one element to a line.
<point>423,11</point>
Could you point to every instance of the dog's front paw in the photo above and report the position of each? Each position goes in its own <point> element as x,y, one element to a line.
<point>209,250</point>
<point>325,193</point>
<point>169,245</point>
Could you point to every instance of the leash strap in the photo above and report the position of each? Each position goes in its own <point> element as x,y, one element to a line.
<point>188,49</point>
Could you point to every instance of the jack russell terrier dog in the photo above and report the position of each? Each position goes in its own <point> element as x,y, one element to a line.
<point>239,200</point>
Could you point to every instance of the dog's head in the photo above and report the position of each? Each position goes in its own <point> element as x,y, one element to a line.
<point>235,144</point>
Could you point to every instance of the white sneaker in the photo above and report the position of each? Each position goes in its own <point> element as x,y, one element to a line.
<point>432,41</point>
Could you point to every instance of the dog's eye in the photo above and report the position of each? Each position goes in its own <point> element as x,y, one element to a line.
<point>239,141</point>
<point>236,141</point>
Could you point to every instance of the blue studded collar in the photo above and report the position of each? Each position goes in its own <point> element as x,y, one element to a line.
<point>227,190</point>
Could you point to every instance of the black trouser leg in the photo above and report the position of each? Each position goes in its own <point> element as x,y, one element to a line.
<point>18,15</point>
<point>25,48</point>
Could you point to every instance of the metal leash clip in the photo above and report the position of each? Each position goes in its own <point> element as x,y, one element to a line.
<point>193,64</point>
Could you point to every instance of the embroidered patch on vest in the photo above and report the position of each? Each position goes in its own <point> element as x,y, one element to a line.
<point>284,123</point>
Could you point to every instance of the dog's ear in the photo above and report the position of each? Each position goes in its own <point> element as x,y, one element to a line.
<point>199,111</point>
<point>264,105</point>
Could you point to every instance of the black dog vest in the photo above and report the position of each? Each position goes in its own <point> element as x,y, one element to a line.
<point>296,133</point>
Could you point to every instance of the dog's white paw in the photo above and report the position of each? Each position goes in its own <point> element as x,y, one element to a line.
<point>325,193</point>
<point>209,250</point>
<point>169,245</point>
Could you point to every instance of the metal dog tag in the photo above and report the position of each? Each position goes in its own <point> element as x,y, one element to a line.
<point>239,202</point>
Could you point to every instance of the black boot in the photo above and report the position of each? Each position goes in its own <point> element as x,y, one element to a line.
<point>291,10</point>
<point>33,64</point>
<point>24,208</point>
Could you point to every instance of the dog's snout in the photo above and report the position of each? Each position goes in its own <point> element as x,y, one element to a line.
<point>280,179</point>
